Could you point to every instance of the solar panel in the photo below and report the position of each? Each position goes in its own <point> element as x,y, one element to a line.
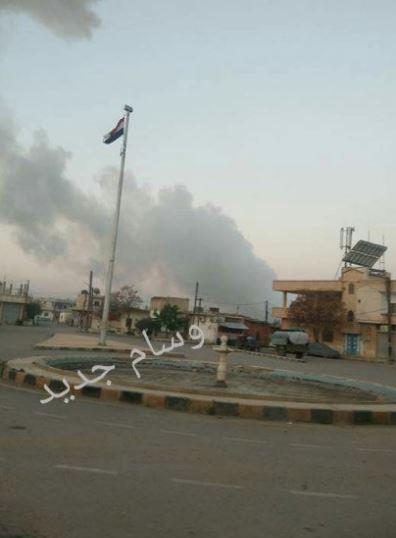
<point>365,254</point>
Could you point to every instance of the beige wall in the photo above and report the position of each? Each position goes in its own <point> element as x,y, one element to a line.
<point>158,303</point>
<point>297,286</point>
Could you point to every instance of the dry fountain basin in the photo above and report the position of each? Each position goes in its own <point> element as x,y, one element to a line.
<point>187,385</point>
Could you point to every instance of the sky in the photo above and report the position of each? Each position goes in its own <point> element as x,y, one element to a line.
<point>281,113</point>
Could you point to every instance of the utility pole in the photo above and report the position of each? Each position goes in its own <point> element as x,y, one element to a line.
<point>266,311</point>
<point>389,316</point>
<point>196,297</point>
<point>110,270</point>
<point>89,307</point>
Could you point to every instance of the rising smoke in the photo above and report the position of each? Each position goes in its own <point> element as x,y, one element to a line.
<point>166,243</point>
<point>66,18</point>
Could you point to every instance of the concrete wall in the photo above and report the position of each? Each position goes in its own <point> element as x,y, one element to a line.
<point>208,325</point>
<point>158,303</point>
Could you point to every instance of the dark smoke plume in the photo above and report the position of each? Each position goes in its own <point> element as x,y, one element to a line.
<point>166,243</point>
<point>66,18</point>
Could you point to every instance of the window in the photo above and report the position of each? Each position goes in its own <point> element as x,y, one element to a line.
<point>350,316</point>
<point>351,289</point>
<point>328,335</point>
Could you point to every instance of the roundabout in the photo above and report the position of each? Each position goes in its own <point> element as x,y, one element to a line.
<point>186,385</point>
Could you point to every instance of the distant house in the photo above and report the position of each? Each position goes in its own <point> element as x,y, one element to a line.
<point>13,301</point>
<point>52,308</point>
<point>236,327</point>
<point>208,323</point>
<point>214,324</point>
<point>158,303</point>
<point>122,323</point>
<point>84,315</point>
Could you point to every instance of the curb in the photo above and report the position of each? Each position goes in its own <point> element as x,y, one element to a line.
<point>269,354</point>
<point>102,349</point>
<point>269,411</point>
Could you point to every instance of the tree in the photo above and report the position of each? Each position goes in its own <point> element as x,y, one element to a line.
<point>170,318</point>
<point>318,311</point>
<point>149,325</point>
<point>122,300</point>
<point>33,309</point>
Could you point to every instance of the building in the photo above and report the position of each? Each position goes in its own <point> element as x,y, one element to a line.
<point>13,301</point>
<point>158,303</point>
<point>236,327</point>
<point>83,313</point>
<point>52,309</point>
<point>123,323</point>
<point>368,296</point>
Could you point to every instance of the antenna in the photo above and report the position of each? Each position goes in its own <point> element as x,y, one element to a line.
<point>382,260</point>
<point>346,240</point>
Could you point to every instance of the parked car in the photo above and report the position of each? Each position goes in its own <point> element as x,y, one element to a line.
<point>291,341</point>
<point>318,349</point>
<point>248,342</point>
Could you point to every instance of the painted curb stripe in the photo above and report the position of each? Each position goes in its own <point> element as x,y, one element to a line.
<point>214,407</point>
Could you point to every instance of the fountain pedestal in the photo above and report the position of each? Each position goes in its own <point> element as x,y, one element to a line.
<point>222,351</point>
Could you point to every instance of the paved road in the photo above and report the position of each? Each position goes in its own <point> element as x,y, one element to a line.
<point>17,342</point>
<point>91,470</point>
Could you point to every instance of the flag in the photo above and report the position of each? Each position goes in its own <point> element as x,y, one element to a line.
<point>114,133</point>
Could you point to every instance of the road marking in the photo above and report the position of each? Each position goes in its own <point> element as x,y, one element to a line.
<point>7,407</point>
<point>209,484</point>
<point>318,494</point>
<point>302,445</point>
<point>13,387</point>
<point>116,425</point>
<point>174,432</point>
<point>85,469</point>
<point>383,450</point>
<point>50,415</point>
<point>243,440</point>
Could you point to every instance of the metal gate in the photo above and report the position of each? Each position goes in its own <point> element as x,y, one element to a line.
<point>11,312</point>
<point>382,345</point>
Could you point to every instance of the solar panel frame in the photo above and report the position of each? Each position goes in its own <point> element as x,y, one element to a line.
<point>365,254</point>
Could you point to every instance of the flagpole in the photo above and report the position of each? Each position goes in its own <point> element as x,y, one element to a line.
<point>113,246</point>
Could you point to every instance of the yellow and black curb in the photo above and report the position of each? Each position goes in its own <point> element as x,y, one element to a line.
<point>213,405</point>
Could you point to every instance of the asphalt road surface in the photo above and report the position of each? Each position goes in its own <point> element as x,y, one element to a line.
<point>18,342</point>
<point>91,469</point>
